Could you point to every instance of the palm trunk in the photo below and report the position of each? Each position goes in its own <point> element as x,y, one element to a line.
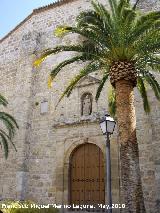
<point>131,186</point>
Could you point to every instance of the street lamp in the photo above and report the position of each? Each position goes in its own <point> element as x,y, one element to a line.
<point>107,125</point>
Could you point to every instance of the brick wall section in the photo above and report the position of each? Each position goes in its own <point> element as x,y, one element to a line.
<point>38,171</point>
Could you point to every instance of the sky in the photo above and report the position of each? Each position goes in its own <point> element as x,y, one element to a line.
<point>12,12</point>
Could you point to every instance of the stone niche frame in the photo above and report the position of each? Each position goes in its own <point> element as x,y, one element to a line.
<point>63,174</point>
<point>91,102</point>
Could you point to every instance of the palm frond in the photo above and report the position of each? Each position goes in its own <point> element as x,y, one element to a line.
<point>150,45</point>
<point>113,5</point>
<point>142,89</point>
<point>58,68</point>
<point>9,122</point>
<point>101,85</point>
<point>112,102</point>
<point>90,34</point>
<point>127,20</point>
<point>143,24</point>
<point>120,7</point>
<point>56,50</point>
<point>153,83</point>
<point>60,31</point>
<point>155,65</point>
<point>8,138</point>
<point>7,131</point>
<point>110,21</point>
<point>4,143</point>
<point>148,41</point>
<point>90,18</point>
<point>135,5</point>
<point>91,67</point>
<point>3,101</point>
<point>103,13</point>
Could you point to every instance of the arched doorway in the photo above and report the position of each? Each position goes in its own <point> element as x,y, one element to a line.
<point>87,175</point>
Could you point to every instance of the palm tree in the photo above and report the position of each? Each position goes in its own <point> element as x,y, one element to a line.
<point>8,128</point>
<point>125,45</point>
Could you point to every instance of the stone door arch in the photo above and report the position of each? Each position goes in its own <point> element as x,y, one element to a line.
<point>87,175</point>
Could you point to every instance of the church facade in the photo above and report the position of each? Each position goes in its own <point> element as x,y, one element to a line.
<point>61,150</point>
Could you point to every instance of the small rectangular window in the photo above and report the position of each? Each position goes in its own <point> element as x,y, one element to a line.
<point>44,107</point>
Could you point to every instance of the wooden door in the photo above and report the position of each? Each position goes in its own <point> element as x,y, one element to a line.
<point>87,175</point>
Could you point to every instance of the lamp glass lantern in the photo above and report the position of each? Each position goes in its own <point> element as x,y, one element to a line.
<point>107,124</point>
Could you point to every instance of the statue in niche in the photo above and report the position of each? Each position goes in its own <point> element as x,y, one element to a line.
<point>86,104</point>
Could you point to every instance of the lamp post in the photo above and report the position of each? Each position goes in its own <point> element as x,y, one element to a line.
<point>107,125</point>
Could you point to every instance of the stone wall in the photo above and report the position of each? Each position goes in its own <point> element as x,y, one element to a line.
<point>39,170</point>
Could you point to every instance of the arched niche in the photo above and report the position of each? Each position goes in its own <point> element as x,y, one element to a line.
<point>86,104</point>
